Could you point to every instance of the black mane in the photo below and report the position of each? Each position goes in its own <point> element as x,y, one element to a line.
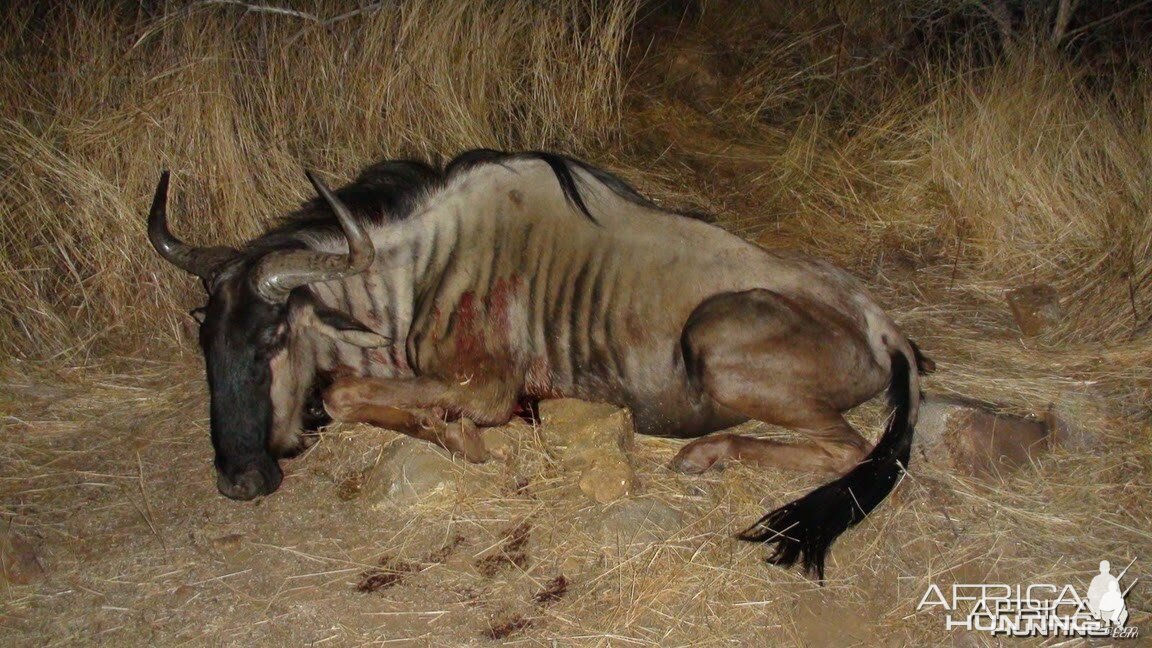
<point>389,190</point>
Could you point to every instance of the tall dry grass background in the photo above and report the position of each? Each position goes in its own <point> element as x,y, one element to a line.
<point>907,141</point>
<point>99,97</point>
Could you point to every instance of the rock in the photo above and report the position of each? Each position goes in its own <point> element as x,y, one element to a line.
<point>570,423</point>
<point>232,548</point>
<point>607,479</point>
<point>408,471</point>
<point>636,523</point>
<point>19,563</point>
<point>594,439</point>
<point>969,437</point>
<point>1035,308</point>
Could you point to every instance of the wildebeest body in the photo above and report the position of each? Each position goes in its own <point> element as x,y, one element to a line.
<point>511,276</point>
<point>502,279</point>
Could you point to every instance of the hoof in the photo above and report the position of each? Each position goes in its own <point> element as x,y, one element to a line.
<point>689,462</point>
<point>467,442</point>
<point>703,454</point>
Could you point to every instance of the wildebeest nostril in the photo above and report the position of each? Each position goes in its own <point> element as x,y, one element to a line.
<point>251,483</point>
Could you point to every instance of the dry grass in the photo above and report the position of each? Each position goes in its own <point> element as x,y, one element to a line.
<point>97,101</point>
<point>943,183</point>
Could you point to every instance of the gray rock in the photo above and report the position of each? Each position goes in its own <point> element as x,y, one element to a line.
<point>635,523</point>
<point>410,471</point>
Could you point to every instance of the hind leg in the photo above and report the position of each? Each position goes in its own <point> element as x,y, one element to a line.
<point>840,450</point>
<point>789,363</point>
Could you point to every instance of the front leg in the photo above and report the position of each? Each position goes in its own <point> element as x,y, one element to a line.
<point>422,408</point>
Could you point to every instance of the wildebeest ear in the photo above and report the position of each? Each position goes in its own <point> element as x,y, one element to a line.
<point>345,328</point>
<point>198,314</point>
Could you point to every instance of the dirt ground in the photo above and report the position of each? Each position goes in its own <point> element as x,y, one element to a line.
<point>112,531</point>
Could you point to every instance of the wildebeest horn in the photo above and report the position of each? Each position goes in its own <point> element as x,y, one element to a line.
<point>200,261</point>
<point>280,272</point>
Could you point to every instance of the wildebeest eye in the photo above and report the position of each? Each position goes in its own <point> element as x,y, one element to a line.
<point>314,416</point>
<point>199,314</point>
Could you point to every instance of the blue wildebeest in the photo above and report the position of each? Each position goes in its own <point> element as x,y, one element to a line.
<point>431,300</point>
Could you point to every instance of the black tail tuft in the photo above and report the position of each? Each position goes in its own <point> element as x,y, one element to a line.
<point>803,530</point>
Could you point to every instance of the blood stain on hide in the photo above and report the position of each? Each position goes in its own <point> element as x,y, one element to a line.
<point>499,299</point>
<point>469,328</point>
<point>398,360</point>
<point>466,310</point>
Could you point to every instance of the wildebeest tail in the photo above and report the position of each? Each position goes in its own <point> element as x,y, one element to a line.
<point>803,530</point>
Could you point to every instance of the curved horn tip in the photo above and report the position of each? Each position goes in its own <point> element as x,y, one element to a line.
<point>317,184</point>
<point>160,197</point>
<point>200,261</point>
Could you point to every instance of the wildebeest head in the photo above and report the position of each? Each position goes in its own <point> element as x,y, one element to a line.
<point>251,332</point>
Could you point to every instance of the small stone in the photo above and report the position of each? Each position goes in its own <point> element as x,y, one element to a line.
<point>1035,308</point>
<point>695,77</point>
<point>181,595</point>
<point>351,487</point>
<point>1082,411</point>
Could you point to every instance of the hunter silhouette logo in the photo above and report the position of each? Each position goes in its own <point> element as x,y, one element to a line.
<point>1038,609</point>
<point>1105,598</point>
